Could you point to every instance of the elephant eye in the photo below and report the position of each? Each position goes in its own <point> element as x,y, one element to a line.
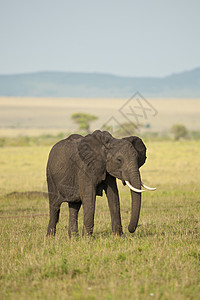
<point>119,159</point>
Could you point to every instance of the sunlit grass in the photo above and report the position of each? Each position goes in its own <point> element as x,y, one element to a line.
<point>159,261</point>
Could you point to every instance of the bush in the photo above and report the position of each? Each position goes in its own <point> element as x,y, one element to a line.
<point>179,131</point>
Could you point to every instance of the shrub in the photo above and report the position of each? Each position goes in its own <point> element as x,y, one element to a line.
<point>179,131</point>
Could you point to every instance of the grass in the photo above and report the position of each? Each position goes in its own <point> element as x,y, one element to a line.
<point>161,260</point>
<point>49,139</point>
<point>24,140</point>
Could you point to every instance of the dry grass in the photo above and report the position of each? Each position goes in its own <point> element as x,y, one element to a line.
<point>19,115</point>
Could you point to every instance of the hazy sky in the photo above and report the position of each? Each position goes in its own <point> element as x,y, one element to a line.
<point>123,37</point>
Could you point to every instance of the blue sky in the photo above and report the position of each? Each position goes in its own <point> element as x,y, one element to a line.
<point>129,38</point>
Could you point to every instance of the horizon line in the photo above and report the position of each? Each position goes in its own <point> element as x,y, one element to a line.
<point>96,73</point>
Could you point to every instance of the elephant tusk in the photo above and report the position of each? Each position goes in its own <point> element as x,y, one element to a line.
<point>147,187</point>
<point>133,188</point>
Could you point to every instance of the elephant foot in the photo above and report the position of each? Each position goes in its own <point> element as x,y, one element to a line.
<point>87,232</point>
<point>73,235</point>
<point>117,229</point>
<point>51,232</point>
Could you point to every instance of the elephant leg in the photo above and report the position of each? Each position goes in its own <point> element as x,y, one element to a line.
<point>54,207</point>
<point>113,203</point>
<point>73,217</point>
<point>88,202</point>
<point>54,217</point>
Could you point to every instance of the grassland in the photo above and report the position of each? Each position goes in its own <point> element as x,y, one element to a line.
<point>161,260</point>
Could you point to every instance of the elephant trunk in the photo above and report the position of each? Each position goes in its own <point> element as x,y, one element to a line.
<point>135,180</point>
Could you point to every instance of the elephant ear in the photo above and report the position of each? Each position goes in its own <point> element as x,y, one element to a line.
<point>103,137</point>
<point>140,148</point>
<point>92,152</point>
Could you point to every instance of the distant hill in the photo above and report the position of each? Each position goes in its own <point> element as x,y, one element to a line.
<point>61,84</point>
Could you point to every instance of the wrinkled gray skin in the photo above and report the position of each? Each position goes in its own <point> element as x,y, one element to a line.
<point>79,168</point>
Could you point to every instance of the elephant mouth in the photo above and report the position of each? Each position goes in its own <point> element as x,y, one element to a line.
<point>125,182</point>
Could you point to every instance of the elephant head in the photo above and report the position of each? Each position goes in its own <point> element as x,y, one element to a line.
<point>121,158</point>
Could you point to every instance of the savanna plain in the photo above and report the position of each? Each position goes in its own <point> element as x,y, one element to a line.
<point>161,260</point>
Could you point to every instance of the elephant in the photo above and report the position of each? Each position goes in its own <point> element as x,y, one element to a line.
<point>80,168</point>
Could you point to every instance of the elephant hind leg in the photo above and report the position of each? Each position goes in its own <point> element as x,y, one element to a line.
<point>73,217</point>
<point>54,207</point>
<point>54,217</point>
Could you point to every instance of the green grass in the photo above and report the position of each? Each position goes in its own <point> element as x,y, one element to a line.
<point>24,140</point>
<point>21,140</point>
<point>161,260</point>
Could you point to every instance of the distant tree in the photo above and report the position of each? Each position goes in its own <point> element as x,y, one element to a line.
<point>179,131</point>
<point>84,120</point>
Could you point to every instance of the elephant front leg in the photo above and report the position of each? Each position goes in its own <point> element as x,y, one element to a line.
<point>88,202</point>
<point>73,217</point>
<point>114,205</point>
